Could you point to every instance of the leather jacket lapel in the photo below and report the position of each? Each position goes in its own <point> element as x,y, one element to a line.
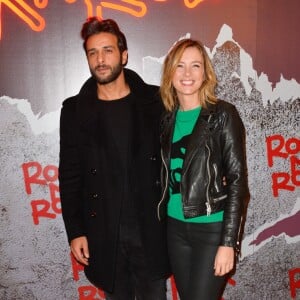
<point>200,134</point>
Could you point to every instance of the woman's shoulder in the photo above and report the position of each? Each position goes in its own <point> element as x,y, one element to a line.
<point>225,105</point>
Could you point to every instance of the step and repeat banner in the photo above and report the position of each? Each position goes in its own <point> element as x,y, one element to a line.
<point>254,46</point>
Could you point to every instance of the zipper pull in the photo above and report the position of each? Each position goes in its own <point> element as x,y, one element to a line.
<point>238,253</point>
<point>208,208</point>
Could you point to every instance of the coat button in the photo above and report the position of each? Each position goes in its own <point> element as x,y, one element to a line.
<point>95,196</point>
<point>157,183</point>
<point>94,171</point>
<point>93,214</point>
<point>153,158</point>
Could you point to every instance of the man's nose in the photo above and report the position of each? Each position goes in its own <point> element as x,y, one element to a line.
<point>100,57</point>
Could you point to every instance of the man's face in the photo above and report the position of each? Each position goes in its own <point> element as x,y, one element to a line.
<point>104,58</point>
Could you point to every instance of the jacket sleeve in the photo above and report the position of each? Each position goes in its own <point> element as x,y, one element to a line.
<point>235,172</point>
<point>69,171</point>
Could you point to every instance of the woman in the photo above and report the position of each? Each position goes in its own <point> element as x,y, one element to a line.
<point>203,175</point>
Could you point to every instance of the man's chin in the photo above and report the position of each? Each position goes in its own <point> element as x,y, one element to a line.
<point>103,79</point>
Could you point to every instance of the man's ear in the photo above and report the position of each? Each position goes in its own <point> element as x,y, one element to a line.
<point>124,57</point>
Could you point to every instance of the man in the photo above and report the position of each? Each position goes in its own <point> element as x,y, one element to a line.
<point>109,172</point>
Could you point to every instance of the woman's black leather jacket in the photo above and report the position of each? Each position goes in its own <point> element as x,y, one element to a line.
<point>214,173</point>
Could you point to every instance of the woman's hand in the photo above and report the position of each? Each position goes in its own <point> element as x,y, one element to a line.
<point>224,260</point>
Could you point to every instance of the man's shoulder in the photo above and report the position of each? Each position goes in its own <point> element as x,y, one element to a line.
<point>70,101</point>
<point>70,105</point>
<point>153,88</point>
<point>136,82</point>
<point>151,91</point>
<point>88,86</point>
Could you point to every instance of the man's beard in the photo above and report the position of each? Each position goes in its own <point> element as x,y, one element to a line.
<point>115,73</point>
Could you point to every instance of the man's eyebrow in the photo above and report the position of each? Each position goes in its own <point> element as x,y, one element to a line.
<point>109,46</point>
<point>90,49</point>
<point>104,47</point>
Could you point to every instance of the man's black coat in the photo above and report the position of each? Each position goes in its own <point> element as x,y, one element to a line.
<point>90,183</point>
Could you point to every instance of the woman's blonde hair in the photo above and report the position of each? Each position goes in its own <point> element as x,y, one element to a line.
<point>167,90</point>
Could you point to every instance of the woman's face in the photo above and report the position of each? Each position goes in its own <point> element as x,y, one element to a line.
<point>188,78</point>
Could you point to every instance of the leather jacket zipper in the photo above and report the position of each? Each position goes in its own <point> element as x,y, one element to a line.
<point>207,203</point>
<point>216,175</point>
<point>166,185</point>
<point>238,244</point>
